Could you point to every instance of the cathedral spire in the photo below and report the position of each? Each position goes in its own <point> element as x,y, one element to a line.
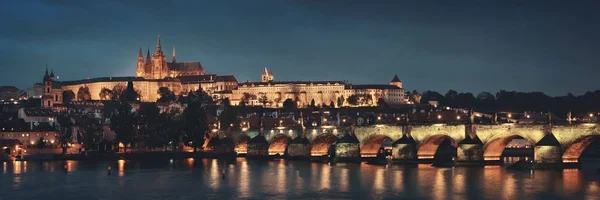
<point>148,56</point>
<point>158,47</point>
<point>46,74</point>
<point>52,73</point>
<point>174,54</point>
<point>140,54</point>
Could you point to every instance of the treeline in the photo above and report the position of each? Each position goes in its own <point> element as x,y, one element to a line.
<point>512,101</point>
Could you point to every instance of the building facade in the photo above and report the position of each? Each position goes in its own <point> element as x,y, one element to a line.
<point>272,93</point>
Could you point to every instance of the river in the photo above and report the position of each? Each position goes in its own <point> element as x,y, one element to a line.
<point>255,179</point>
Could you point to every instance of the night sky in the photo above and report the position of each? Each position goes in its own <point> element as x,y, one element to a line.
<point>473,46</point>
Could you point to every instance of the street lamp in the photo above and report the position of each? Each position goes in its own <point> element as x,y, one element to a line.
<point>591,114</point>
<point>458,117</point>
<point>439,116</point>
<point>509,115</point>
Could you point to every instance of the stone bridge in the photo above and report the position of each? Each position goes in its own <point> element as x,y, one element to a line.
<point>472,142</point>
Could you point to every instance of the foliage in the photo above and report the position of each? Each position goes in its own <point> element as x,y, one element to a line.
<point>65,130</point>
<point>41,143</point>
<point>68,96</point>
<point>166,95</point>
<point>340,101</point>
<point>331,104</point>
<point>263,100</point>
<point>289,105</point>
<point>195,124</point>
<point>123,124</point>
<point>227,117</point>
<point>353,99</point>
<point>91,131</point>
<point>117,92</point>
<point>129,94</point>
<point>312,103</point>
<point>105,94</point>
<point>381,103</point>
<point>83,94</point>
<point>415,97</point>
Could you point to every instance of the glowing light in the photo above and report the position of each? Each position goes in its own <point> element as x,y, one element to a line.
<point>397,118</point>
<point>439,116</point>
<point>325,119</point>
<point>458,117</point>
<point>528,116</point>
<point>378,118</point>
<point>343,120</point>
<point>591,114</point>
<point>509,115</point>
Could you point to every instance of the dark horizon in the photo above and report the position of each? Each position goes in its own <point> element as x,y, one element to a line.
<point>469,46</point>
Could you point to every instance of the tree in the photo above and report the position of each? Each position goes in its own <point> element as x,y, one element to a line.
<point>166,95</point>
<point>105,94</point>
<point>331,104</point>
<point>41,143</point>
<point>91,131</point>
<point>263,100</point>
<point>312,103</point>
<point>226,102</point>
<point>340,101</point>
<point>289,105</point>
<point>130,94</point>
<point>353,99</point>
<point>415,97</point>
<point>68,96</point>
<point>83,94</point>
<point>227,117</point>
<point>117,92</point>
<point>381,103</point>
<point>65,131</point>
<point>149,115</point>
<point>123,124</point>
<point>195,124</point>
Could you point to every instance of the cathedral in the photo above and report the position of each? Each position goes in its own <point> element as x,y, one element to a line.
<point>154,72</point>
<point>157,66</point>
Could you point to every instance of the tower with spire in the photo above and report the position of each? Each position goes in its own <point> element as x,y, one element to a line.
<point>267,76</point>
<point>139,71</point>
<point>159,63</point>
<point>396,81</point>
<point>173,60</point>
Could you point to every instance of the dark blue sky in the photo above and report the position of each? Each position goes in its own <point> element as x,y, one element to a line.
<point>474,46</point>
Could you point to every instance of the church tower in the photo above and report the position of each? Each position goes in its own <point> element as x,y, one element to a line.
<point>173,60</point>
<point>139,72</point>
<point>159,63</point>
<point>47,97</point>
<point>396,81</point>
<point>266,76</point>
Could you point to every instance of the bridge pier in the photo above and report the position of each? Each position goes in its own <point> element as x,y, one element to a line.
<point>547,152</point>
<point>470,151</point>
<point>299,148</point>
<point>258,147</point>
<point>404,150</point>
<point>347,149</point>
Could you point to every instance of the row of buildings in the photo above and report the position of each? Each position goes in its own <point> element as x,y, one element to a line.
<point>154,72</point>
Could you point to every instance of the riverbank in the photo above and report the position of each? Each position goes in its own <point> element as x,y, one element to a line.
<point>123,156</point>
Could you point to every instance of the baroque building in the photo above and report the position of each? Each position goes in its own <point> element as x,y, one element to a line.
<point>271,93</point>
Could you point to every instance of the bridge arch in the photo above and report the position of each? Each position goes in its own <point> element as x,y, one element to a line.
<point>241,146</point>
<point>322,143</point>
<point>373,144</point>
<point>278,144</point>
<point>494,149</point>
<point>574,151</point>
<point>430,146</point>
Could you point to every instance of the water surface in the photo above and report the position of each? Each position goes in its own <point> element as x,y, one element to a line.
<point>253,179</point>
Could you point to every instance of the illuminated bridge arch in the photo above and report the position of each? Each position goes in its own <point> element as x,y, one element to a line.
<point>494,149</point>
<point>371,146</point>
<point>241,146</point>
<point>574,151</point>
<point>428,149</point>
<point>322,143</point>
<point>279,144</point>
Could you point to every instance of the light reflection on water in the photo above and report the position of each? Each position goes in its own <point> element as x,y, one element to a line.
<point>193,179</point>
